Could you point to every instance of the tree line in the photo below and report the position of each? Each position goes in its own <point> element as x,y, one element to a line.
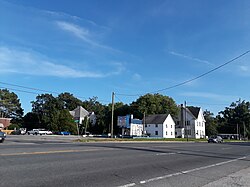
<point>234,119</point>
<point>52,113</point>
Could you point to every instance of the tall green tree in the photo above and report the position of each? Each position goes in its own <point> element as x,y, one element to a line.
<point>66,122</point>
<point>154,104</point>
<point>69,101</point>
<point>46,107</point>
<point>10,106</point>
<point>31,121</point>
<point>51,114</point>
<point>237,114</point>
<point>211,123</point>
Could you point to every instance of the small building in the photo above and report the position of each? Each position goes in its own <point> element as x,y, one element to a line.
<point>5,122</point>
<point>191,122</point>
<point>130,126</point>
<point>160,125</point>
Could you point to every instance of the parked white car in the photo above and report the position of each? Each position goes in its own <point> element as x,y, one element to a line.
<point>23,131</point>
<point>39,131</point>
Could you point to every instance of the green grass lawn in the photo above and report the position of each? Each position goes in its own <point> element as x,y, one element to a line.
<point>90,139</point>
<point>140,140</point>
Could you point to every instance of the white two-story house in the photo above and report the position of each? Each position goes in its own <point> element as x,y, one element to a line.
<point>190,122</point>
<point>160,125</point>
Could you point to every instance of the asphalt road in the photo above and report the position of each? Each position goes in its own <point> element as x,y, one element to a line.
<point>50,161</point>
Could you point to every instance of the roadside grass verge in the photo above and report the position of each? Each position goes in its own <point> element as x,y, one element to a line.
<point>88,139</point>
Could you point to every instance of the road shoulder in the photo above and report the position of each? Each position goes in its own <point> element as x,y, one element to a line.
<point>240,178</point>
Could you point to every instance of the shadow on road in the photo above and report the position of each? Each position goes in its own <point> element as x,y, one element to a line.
<point>181,151</point>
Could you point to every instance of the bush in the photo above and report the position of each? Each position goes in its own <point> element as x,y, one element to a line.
<point>13,127</point>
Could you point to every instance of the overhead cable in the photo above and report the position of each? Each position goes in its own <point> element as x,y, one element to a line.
<point>193,79</point>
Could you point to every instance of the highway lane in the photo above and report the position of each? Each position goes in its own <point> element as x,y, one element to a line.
<point>49,163</point>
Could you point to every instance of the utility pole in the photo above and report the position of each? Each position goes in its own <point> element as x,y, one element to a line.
<point>77,128</point>
<point>112,117</point>
<point>144,118</point>
<point>244,133</point>
<point>185,105</point>
<point>237,131</point>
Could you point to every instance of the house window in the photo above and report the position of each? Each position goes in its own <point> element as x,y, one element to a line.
<point>171,133</point>
<point>188,122</point>
<point>197,132</point>
<point>171,126</point>
<point>175,133</point>
<point>188,131</point>
<point>166,132</point>
<point>156,125</point>
<point>166,126</point>
<point>145,125</point>
<point>156,132</point>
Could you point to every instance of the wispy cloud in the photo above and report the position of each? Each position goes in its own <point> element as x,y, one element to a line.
<point>190,58</point>
<point>84,34</point>
<point>79,32</point>
<point>136,77</point>
<point>60,14</point>
<point>208,95</point>
<point>32,63</point>
<point>118,68</point>
<point>244,68</point>
<point>63,15</point>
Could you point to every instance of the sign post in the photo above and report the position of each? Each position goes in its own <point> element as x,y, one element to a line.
<point>77,127</point>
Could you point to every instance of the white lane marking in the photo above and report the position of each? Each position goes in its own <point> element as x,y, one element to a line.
<point>160,178</point>
<point>128,185</point>
<point>224,148</point>
<point>17,143</point>
<point>189,171</point>
<point>160,154</point>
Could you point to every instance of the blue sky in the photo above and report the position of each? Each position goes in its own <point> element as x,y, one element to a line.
<point>92,48</point>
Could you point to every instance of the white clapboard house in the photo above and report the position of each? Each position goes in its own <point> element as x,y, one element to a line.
<point>160,125</point>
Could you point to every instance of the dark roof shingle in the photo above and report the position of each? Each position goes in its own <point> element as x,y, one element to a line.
<point>194,110</point>
<point>156,118</point>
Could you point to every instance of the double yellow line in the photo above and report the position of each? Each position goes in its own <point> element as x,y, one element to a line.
<point>51,152</point>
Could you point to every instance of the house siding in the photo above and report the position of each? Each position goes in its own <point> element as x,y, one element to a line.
<point>165,130</point>
<point>194,126</point>
<point>200,126</point>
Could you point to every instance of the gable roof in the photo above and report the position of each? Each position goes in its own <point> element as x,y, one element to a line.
<point>156,118</point>
<point>194,110</point>
<point>79,112</point>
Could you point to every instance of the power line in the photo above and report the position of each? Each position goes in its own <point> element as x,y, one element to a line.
<point>37,89</point>
<point>211,104</point>
<point>20,90</point>
<point>29,88</point>
<point>118,98</point>
<point>193,79</point>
